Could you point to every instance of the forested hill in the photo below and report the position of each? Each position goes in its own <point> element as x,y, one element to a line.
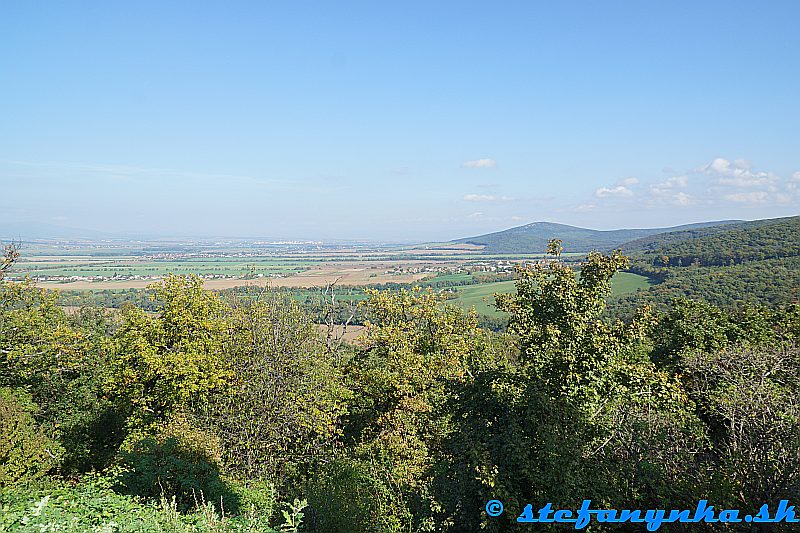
<point>756,262</point>
<point>720,245</point>
<point>533,238</point>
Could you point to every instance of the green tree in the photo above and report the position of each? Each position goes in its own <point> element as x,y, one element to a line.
<point>281,412</point>
<point>26,453</point>
<point>414,350</point>
<point>173,362</point>
<point>562,337</point>
<point>62,365</point>
<point>583,412</point>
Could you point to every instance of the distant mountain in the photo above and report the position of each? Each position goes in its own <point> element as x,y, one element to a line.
<point>532,238</point>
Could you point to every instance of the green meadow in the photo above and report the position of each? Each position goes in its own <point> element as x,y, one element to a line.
<point>481,297</point>
<point>122,267</point>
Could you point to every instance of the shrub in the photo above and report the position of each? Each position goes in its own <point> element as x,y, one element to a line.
<point>26,453</point>
<point>178,461</point>
<point>256,499</point>
<point>347,497</point>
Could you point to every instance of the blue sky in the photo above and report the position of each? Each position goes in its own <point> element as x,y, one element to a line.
<point>398,121</point>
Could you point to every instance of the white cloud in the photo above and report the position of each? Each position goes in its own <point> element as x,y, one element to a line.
<point>479,163</point>
<point>719,184</point>
<point>748,181</point>
<point>737,182</point>
<point>477,214</point>
<point>620,191</point>
<point>793,183</point>
<point>678,181</point>
<point>487,198</point>
<point>720,165</point>
<point>738,174</point>
<point>755,197</point>
<point>682,199</point>
<point>666,187</point>
<point>666,193</point>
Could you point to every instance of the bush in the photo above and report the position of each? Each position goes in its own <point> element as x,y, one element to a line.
<point>346,497</point>
<point>178,462</point>
<point>257,500</point>
<point>26,453</point>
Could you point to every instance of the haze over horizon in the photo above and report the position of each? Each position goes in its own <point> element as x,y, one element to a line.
<point>44,232</point>
<point>414,122</point>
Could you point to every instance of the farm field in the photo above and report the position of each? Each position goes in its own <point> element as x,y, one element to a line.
<point>88,267</point>
<point>132,266</point>
<point>481,296</point>
<point>301,268</point>
<point>319,276</point>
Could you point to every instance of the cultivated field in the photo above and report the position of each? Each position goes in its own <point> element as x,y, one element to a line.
<point>472,276</point>
<point>103,267</point>
<point>317,277</point>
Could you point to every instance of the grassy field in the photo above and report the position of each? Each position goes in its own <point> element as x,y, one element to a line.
<point>453,277</point>
<point>482,296</point>
<point>129,267</point>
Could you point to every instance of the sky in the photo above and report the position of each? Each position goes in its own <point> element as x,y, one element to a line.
<point>399,121</point>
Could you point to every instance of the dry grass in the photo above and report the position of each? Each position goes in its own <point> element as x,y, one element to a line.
<point>349,335</point>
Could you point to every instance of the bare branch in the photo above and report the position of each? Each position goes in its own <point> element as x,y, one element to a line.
<point>10,256</point>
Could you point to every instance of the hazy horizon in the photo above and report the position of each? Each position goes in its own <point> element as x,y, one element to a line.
<point>410,123</point>
<point>55,233</point>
